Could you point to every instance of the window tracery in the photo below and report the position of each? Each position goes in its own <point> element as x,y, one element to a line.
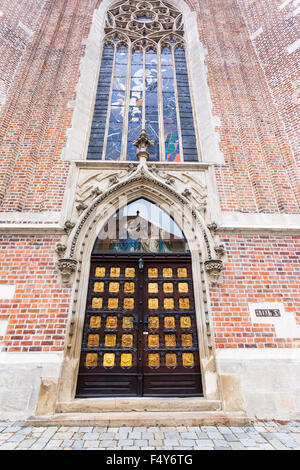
<point>143,84</point>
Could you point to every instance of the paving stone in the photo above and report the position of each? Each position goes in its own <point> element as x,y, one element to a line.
<point>107,435</point>
<point>54,443</point>
<point>202,443</point>
<point>16,438</point>
<point>220,443</point>
<point>108,443</point>
<point>188,435</point>
<point>91,444</point>
<point>78,444</point>
<point>125,442</point>
<point>230,437</point>
<point>101,428</point>
<point>201,435</point>
<point>8,446</point>
<point>135,435</point>
<point>140,442</point>
<point>237,446</point>
<point>171,442</point>
<point>67,443</point>
<point>26,444</point>
<point>91,436</point>
<point>247,442</point>
<point>186,442</point>
<point>147,435</point>
<point>63,435</point>
<point>155,442</point>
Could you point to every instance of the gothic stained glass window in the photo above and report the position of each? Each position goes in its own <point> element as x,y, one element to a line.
<point>143,84</point>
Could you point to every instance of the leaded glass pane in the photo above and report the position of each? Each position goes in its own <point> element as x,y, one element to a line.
<point>101,105</point>
<point>172,149</point>
<point>114,138</point>
<point>141,227</point>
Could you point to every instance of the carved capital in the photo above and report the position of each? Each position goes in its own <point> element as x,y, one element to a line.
<point>214,267</point>
<point>66,267</point>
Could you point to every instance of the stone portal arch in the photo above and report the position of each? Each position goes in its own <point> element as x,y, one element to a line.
<point>145,181</point>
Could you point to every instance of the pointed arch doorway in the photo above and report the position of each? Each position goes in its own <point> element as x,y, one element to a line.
<point>140,332</point>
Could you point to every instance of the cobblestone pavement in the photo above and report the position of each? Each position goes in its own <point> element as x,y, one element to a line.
<point>262,435</point>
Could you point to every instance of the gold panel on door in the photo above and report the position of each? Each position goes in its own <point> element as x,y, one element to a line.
<point>91,360</point>
<point>169,322</point>
<point>111,323</point>
<point>128,303</point>
<point>153,304</point>
<point>126,360</point>
<point>168,287</point>
<point>100,271</point>
<point>127,323</point>
<point>188,359</point>
<point>129,287</point>
<point>113,303</point>
<point>183,287</point>
<point>187,341</point>
<point>95,322</point>
<point>153,360</point>
<point>93,341</point>
<point>110,341</point>
<point>97,302</point>
<point>153,322</point>
<point>171,360</point>
<point>185,322</point>
<point>153,288</point>
<point>114,287</point>
<point>127,341</point>
<point>168,303</point>
<point>152,272</point>
<point>129,272</point>
<point>184,303</point>
<point>115,272</point>
<point>99,286</point>
<point>108,360</point>
<point>181,272</point>
<point>170,341</point>
<point>167,272</point>
<point>153,341</point>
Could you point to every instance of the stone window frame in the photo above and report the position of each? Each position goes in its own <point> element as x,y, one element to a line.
<point>122,28</point>
<point>83,106</point>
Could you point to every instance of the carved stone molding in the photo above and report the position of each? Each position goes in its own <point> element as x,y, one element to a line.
<point>66,267</point>
<point>220,250</point>
<point>60,249</point>
<point>68,226</point>
<point>214,267</point>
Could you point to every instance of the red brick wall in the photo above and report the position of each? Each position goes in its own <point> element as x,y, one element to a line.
<point>253,91</point>
<point>258,268</point>
<point>258,122</point>
<point>39,310</point>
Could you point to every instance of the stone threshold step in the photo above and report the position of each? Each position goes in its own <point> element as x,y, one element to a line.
<point>94,405</point>
<point>143,418</point>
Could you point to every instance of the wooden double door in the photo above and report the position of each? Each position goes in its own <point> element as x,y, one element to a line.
<point>140,334</point>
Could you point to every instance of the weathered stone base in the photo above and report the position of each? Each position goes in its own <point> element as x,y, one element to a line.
<point>144,418</point>
<point>264,382</point>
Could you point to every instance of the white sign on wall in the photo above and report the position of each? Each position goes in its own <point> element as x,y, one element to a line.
<point>275,314</point>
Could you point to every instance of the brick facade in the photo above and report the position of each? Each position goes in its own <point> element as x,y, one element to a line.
<point>252,66</point>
